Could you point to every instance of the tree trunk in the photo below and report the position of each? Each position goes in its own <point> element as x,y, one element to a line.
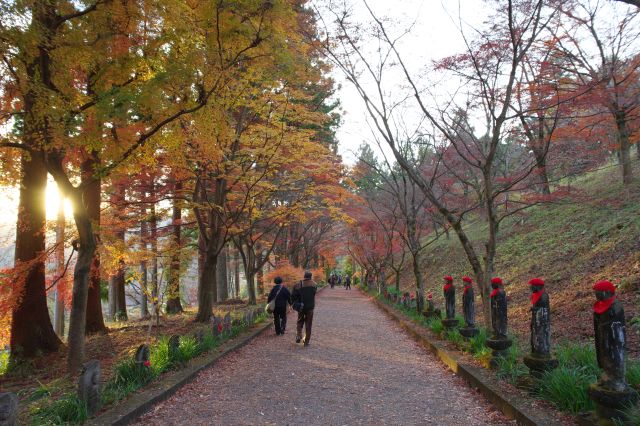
<point>221,281</point>
<point>31,329</point>
<point>91,200</point>
<point>543,177</point>
<point>86,248</point>
<point>625,147</point>
<point>260,276</point>
<point>58,303</point>
<point>117,297</point>
<point>251,286</point>
<point>237,272</point>
<point>144,306</point>
<point>153,231</point>
<point>174,305</point>
<point>206,286</point>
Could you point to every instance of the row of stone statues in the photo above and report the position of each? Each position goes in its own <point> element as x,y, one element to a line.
<point>611,393</point>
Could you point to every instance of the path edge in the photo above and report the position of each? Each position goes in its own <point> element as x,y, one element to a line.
<point>509,405</point>
<point>141,402</point>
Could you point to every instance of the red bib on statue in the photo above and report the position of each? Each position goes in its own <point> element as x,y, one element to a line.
<point>535,297</point>
<point>602,306</point>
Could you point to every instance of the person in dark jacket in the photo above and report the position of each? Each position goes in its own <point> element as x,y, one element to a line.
<point>305,292</point>
<point>282,295</point>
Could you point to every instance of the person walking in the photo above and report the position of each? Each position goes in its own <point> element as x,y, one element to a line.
<point>304,297</point>
<point>347,282</point>
<point>281,295</point>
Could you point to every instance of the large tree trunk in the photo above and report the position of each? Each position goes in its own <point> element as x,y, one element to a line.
<point>174,305</point>
<point>543,177</point>
<point>31,329</point>
<point>625,147</point>
<point>206,286</point>
<point>221,281</point>
<point>86,248</point>
<point>91,200</point>
<point>58,303</point>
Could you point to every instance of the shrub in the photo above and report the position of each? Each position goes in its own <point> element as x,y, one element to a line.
<point>477,344</point>
<point>575,355</point>
<point>633,373</point>
<point>509,367</point>
<point>66,410</point>
<point>566,387</point>
<point>188,348</point>
<point>436,326</point>
<point>454,337</point>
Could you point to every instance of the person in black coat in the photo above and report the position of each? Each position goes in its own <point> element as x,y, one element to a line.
<point>282,295</point>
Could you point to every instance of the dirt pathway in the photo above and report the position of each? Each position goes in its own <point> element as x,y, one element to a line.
<point>360,368</point>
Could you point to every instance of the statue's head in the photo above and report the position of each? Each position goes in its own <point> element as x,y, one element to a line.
<point>536,285</point>
<point>604,290</point>
<point>496,282</point>
<point>467,280</point>
<point>448,279</point>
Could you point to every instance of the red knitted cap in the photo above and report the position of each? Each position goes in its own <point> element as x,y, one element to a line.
<point>467,279</point>
<point>448,278</point>
<point>496,280</point>
<point>536,281</point>
<point>604,286</point>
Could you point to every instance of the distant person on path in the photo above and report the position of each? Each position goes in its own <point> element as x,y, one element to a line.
<point>305,292</point>
<point>282,296</point>
<point>347,282</point>
<point>332,280</point>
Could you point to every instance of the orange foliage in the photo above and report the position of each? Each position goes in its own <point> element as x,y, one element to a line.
<point>290,274</point>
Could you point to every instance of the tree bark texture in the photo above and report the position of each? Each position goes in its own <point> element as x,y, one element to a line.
<point>222,281</point>
<point>91,200</point>
<point>174,305</point>
<point>31,329</point>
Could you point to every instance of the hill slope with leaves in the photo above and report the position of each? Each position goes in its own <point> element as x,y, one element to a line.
<point>592,234</point>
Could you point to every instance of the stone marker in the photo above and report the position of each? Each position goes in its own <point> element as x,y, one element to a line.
<point>8,409</point>
<point>142,354</point>
<point>468,309</point>
<point>449,291</point>
<point>540,359</point>
<point>89,386</point>
<point>174,346</point>
<point>611,393</point>
<point>498,342</point>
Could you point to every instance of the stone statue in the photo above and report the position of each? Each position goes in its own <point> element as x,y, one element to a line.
<point>142,355</point>
<point>8,409</point>
<point>174,345</point>
<point>468,309</point>
<point>430,310</point>
<point>449,291</point>
<point>611,393</point>
<point>89,386</point>
<point>498,341</point>
<point>540,359</point>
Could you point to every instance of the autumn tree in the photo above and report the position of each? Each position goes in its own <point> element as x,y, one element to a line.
<point>487,74</point>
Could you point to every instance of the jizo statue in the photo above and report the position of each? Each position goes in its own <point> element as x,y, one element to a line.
<point>540,359</point>
<point>611,393</point>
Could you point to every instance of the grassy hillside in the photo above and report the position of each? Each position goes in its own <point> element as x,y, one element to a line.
<point>593,234</point>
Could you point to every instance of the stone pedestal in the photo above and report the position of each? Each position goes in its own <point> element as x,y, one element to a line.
<point>499,349</point>
<point>539,364</point>
<point>89,386</point>
<point>450,322</point>
<point>468,332</point>
<point>609,403</point>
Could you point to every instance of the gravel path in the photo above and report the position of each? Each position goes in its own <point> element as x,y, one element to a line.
<point>360,368</point>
